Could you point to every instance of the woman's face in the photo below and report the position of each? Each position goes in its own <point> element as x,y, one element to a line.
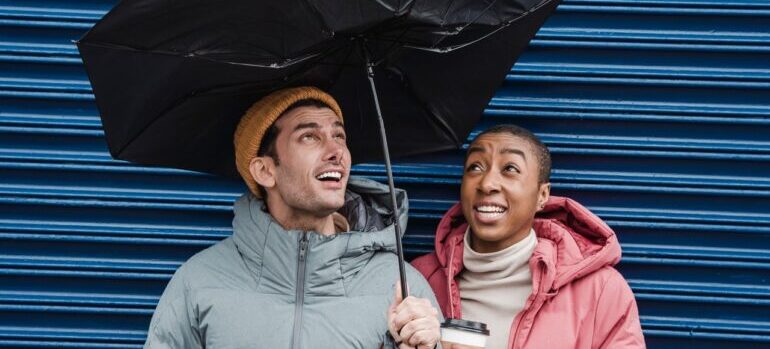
<point>500,190</point>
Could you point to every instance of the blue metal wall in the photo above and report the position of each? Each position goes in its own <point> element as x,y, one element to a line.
<point>657,113</point>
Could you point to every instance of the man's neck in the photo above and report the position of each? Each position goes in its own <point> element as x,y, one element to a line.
<point>294,220</point>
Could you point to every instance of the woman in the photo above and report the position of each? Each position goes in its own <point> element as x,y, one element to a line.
<point>542,281</point>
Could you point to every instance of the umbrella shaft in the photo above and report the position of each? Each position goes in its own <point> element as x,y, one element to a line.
<point>389,171</point>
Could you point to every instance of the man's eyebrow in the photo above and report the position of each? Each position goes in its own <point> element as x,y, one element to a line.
<point>306,125</point>
<point>316,125</point>
<point>513,151</point>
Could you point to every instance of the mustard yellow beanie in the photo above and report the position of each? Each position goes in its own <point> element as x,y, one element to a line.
<point>261,115</point>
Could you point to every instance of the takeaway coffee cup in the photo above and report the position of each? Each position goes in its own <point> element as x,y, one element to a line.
<point>468,334</point>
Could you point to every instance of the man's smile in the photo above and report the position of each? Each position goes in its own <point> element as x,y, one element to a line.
<point>335,176</point>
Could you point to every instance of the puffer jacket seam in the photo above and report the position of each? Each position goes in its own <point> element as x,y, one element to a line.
<point>267,234</point>
<point>246,266</point>
<point>160,316</point>
<point>188,307</point>
<point>587,264</point>
<point>596,308</point>
<point>342,275</point>
<point>192,310</point>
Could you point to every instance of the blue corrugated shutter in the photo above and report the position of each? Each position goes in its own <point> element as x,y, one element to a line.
<point>657,113</point>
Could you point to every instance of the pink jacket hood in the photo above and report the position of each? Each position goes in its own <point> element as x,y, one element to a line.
<point>572,241</point>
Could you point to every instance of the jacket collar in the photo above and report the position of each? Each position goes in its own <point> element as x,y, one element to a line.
<point>271,253</point>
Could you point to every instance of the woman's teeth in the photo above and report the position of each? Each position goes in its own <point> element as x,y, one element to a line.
<point>489,211</point>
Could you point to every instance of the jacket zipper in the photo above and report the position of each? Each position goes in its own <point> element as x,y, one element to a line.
<point>299,297</point>
<point>525,312</point>
<point>450,280</point>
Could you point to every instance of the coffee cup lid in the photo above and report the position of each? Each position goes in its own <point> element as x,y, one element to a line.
<point>466,325</point>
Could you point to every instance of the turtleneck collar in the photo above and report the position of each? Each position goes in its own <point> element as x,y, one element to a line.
<point>494,286</point>
<point>499,264</point>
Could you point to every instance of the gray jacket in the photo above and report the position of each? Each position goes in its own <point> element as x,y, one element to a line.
<point>266,287</point>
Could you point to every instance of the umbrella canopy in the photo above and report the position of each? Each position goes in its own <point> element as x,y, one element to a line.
<point>172,78</point>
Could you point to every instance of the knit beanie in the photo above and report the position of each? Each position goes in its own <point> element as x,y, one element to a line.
<point>261,115</point>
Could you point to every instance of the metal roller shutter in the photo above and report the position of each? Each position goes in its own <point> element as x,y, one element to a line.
<point>657,113</point>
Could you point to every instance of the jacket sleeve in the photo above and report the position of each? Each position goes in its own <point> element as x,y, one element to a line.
<point>617,317</point>
<point>420,288</point>
<point>425,264</point>
<point>174,324</point>
<point>428,265</point>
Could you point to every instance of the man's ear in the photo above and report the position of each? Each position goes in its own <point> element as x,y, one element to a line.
<point>262,169</point>
<point>543,193</point>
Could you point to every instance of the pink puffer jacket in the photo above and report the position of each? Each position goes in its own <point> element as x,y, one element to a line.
<point>578,299</point>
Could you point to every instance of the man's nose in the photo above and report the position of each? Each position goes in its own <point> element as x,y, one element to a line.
<point>334,150</point>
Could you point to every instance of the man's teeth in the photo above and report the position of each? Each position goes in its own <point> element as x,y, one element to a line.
<point>490,209</point>
<point>331,174</point>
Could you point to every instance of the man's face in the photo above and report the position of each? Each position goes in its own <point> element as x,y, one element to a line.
<point>500,192</point>
<point>314,161</point>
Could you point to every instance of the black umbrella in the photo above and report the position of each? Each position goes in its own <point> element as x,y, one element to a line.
<point>172,78</point>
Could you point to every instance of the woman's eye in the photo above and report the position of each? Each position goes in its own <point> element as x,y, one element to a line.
<point>340,136</point>
<point>511,168</point>
<point>308,137</point>
<point>473,167</point>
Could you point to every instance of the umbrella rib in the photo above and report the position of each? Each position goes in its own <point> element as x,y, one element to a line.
<point>446,12</point>
<point>466,24</point>
<point>447,130</point>
<point>392,49</point>
<point>284,64</point>
<point>318,15</point>
<point>459,46</point>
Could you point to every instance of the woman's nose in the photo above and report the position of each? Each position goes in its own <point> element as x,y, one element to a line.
<point>489,183</point>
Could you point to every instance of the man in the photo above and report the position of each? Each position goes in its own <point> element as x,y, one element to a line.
<point>310,263</point>
<point>542,281</point>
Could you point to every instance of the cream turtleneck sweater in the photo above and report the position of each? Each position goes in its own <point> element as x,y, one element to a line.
<point>494,286</point>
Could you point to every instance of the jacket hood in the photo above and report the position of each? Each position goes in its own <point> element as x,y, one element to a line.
<point>572,242</point>
<point>271,252</point>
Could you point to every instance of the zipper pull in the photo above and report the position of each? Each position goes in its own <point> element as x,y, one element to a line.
<point>303,247</point>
